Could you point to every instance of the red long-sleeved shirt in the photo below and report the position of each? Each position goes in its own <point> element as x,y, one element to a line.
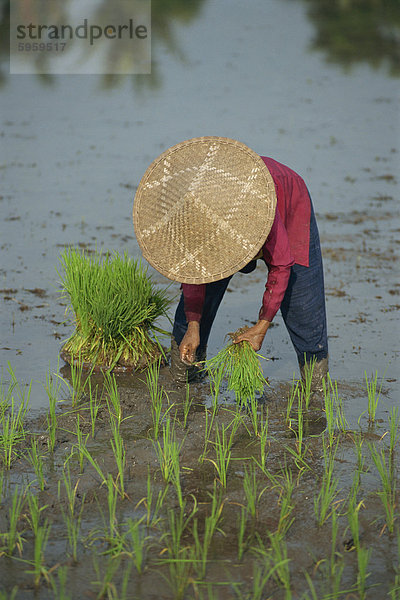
<point>287,243</point>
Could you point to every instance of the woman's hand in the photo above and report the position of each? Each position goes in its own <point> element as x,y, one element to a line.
<point>255,335</point>
<point>190,343</point>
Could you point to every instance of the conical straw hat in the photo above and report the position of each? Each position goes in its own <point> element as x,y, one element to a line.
<point>203,209</point>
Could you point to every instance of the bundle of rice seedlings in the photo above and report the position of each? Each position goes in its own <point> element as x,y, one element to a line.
<point>240,363</point>
<point>115,306</point>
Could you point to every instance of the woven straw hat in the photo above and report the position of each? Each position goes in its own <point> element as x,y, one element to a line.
<point>203,209</point>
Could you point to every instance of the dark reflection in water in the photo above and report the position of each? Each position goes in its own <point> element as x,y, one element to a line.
<point>346,31</point>
<point>165,15</point>
<point>353,31</point>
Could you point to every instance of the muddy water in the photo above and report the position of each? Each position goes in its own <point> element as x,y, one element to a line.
<point>72,152</point>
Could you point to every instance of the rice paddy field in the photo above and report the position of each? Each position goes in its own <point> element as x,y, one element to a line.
<point>126,486</point>
<point>153,492</point>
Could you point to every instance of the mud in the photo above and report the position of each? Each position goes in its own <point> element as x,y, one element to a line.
<point>308,545</point>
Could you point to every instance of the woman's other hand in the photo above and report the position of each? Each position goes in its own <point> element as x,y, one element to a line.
<point>255,335</point>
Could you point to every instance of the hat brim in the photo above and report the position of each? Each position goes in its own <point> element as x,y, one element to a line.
<point>203,209</point>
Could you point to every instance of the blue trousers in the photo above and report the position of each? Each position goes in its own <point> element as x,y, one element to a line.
<point>302,308</point>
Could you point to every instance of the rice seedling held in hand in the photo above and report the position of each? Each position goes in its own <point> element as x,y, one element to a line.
<point>241,365</point>
<point>115,306</point>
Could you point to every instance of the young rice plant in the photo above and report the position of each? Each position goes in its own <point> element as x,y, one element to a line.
<point>115,306</point>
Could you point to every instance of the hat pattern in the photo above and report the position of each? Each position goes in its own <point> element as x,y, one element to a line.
<point>203,209</point>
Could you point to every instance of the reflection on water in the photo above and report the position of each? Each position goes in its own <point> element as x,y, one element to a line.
<point>165,15</point>
<point>352,31</point>
<point>346,31</point>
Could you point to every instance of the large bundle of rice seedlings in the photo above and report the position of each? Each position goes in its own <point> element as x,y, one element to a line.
<point>240,364</point>
<point>115,306</point>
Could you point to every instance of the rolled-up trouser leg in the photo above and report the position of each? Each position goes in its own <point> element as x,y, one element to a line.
<point>304,313</point>
<point>214,293</point>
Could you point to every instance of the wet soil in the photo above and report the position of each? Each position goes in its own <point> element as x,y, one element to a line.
<point>309,546</point>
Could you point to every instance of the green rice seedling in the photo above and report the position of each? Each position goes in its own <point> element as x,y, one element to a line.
<point>263,437</point>
<point>39,569</point>
<point>363,558</point>
<point>251,491</point>
<point>179,558</point>
<point>333,407</point>
<point>210,526</point>
<point>168,454</point>
<point>12,434</point>
<point>279,559</point>
<point>112,521</point>
<point>180,571</point>
<point>72,515</point>
<point>363,554</point>
<point>105,575</point>
<point>177,523</point>
<point>113,400</point>
<point>52,387</point>
<point>81,441</point>
<point>329,411</point>
<point>358,443</point>
<point>12,539</point>
<point>242,523</point>
<point>352,516</point>
<point>336,563</point>
<point>388,492</point>
<point>216,376</point>
<point>34,512</point>
<point>60,587</point>
<point>241,364</point>
<point>153,506</point>
<point>209,425</point>
<point>94,406</point>
<point>11,596</point>
<point>6,393</point>
<point>394,429</point>
<point>328,486</point>
<point>156,396</point>
<point>300,450</point>
<point>262,574</point>
<point>118,448</point>
<point>95,465</point>
<point>187,405</point>
<point>394,591</point>
<point>115,306</point>
<point>306,383</point>
<point>373,396</point>
<point>292,398</point>
<point>285,502</point>
<point>79,379</point>
<point>223,444</point>
<point>36,460</point>
<point>22,395</point>
<point>137,537</point>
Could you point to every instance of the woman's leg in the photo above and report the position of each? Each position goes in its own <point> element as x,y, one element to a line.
<point>214,293</point>
<point>304,312</point>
